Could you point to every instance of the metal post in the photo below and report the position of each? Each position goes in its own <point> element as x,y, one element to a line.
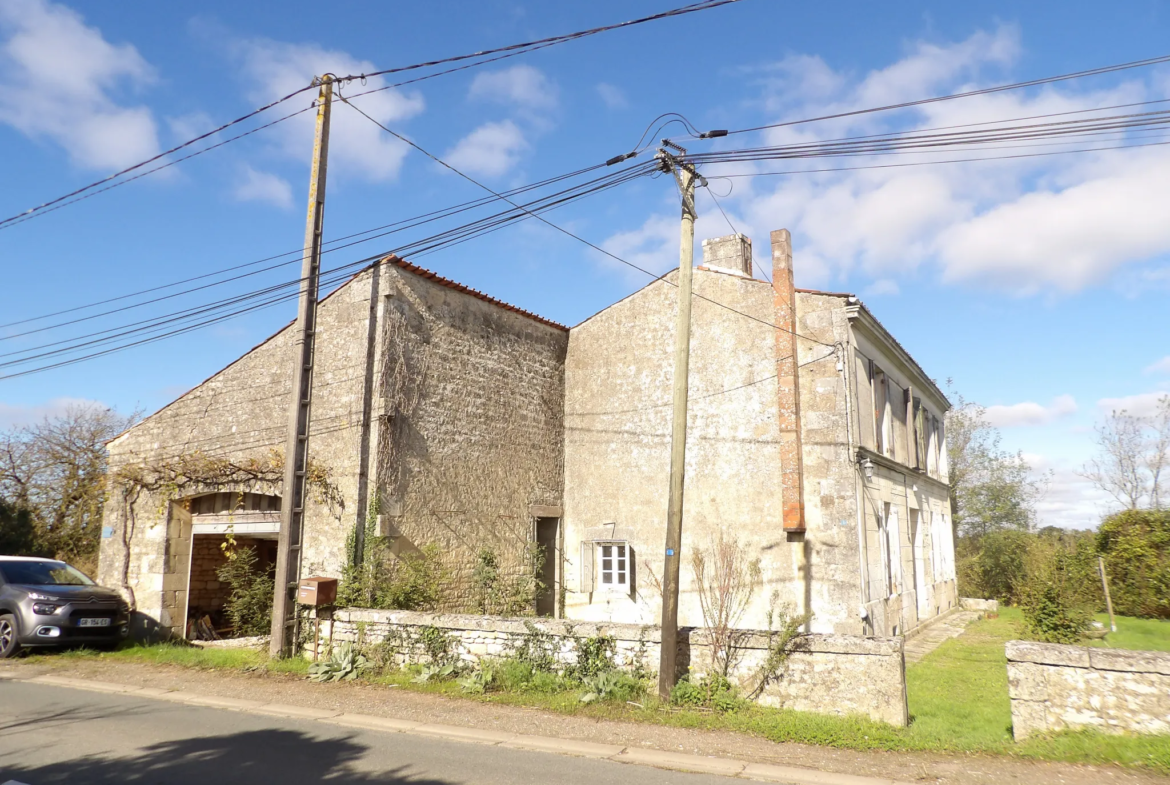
<point>296,451</point>
<point>1108,599</point>
<point>685,174</point>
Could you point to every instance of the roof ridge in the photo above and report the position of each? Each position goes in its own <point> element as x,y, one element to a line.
<point>431,275</point>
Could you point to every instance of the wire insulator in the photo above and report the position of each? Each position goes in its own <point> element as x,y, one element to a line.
<point>713,134</point>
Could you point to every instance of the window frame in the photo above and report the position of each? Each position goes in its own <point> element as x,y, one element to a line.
<point>622,573</point>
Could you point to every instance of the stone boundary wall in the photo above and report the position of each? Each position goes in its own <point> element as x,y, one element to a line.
<point>826,674</point>
<point>975,604</point>
<point>1055,687</point>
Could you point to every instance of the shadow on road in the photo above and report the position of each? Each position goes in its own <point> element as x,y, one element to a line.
<point>276,756</point>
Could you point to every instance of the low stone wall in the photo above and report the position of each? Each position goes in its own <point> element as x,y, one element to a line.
<point>975,604</point>
<point>1054,687</point>
<point>827,674</point>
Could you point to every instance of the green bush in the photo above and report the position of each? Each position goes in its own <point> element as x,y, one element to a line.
<point>992,565</point>
<point>712,691</point>
<point>594,657</point>
<point>249,603</point>
<point>612,685</point>
<point>1136,547</point>
<point>1060,593</point>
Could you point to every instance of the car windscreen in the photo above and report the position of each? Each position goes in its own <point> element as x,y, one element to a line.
<point>43,573</point>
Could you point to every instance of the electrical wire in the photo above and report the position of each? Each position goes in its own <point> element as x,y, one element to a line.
<point>571,234</point>
<point>207,314</point>
<point>967,94</point>
<point>482,55</point>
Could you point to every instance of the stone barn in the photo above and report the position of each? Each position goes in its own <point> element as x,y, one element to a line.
<point>462,424</point>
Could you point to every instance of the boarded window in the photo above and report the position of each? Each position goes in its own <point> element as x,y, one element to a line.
<point>898,423</point>
<point>919,435</point>
<point>880,409</point>
<point>864,401</point>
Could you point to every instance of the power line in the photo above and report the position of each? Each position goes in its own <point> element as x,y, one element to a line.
<point>512,48</point>
<point>403,224</point>
<point>566,231</point>
<point>967,94</point>
<point>170,325</point>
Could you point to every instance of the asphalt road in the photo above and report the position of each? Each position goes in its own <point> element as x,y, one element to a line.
<point>59,735</point>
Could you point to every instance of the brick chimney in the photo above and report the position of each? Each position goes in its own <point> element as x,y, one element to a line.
<point>731,254</point>
<point>787,383</point>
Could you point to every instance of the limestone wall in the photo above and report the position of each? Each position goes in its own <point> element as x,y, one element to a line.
<point>1054,687</point>
<point>445,406</point>
<point>827,674</point>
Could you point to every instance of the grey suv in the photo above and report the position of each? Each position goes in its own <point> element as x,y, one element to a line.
<point>45,602</point>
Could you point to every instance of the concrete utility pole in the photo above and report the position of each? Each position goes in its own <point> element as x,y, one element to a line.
<point>296,450</point>
<point>685,175</point>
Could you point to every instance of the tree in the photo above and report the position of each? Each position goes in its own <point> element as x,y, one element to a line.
<point>55,470</point>
<point>991,489</point>
<point>18,536</point>
<point>1132,454</point>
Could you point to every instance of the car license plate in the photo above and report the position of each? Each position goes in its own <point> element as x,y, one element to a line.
<point>93,622</point>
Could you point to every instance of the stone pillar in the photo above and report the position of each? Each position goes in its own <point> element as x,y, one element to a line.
<point>788,384</point>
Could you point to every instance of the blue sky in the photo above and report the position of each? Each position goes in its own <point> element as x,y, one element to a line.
<point>1038,286</point>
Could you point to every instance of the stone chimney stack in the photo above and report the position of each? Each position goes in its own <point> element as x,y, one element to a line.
<point>788,384</point>
<point>731,254</point>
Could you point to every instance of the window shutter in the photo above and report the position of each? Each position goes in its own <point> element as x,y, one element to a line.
<point>586,566</point>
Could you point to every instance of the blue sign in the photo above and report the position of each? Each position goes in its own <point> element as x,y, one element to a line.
<point>670,551</point>
<point>107,532</point>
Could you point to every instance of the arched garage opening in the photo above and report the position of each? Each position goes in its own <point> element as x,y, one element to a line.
<point>253,521</point>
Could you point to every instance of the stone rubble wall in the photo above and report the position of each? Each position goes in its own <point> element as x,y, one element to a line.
<point>1055,687</point>
<point>826,674</point>
<point>976,604</point>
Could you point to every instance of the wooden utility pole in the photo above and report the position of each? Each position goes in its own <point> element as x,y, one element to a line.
<point>1108,599</point>
<point>686,175</point>
<point>296,449</point>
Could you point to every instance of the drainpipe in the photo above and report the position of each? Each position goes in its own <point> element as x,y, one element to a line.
<point>788,384</point>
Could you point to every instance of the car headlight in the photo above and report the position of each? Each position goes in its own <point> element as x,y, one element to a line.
<point>45,608</point>
<point>32,595</point>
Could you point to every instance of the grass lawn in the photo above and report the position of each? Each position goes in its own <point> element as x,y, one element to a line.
<point>957,695</point>
<point>1136,634</point>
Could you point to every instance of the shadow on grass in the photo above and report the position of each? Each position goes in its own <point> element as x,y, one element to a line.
<point>276,756</point>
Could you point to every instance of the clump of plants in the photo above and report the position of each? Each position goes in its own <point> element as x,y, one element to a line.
<point>612,685</point>
<point>1058,595</point>
<point>712,691</point>
<point>249,603</point>
<point>375,577</point>
<point>497,594</point>
<point>344,664</point>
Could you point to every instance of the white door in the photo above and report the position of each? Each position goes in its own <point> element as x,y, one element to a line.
<point>921,586</point>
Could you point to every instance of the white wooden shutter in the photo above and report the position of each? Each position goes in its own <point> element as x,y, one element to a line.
<point>586,566</point>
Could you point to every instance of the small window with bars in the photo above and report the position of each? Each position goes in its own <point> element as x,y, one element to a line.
<point>615,569</point>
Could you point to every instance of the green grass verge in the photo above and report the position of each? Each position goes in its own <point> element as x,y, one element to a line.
<point>957,696</point>
<point>1135,634</point>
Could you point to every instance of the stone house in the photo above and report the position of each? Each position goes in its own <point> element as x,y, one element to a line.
<point>456,420</point>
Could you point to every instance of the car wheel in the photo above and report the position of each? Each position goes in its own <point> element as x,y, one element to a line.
<point>8,643</point>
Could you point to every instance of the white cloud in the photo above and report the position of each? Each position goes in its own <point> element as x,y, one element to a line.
<point>881,287</point>
<point>257,186</point>
<point>521,85</point>
<point>1161,367</point>
<point>1030,412</point>
<point>1069,500</point>
<point>60,75</point>
<point>1058,223</point>
<point>357,146</point>
<point>613,97</point>
<point>653,246</point>
<point>12,415</point>
<point>1141,405</point>
<point>490,150</point>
